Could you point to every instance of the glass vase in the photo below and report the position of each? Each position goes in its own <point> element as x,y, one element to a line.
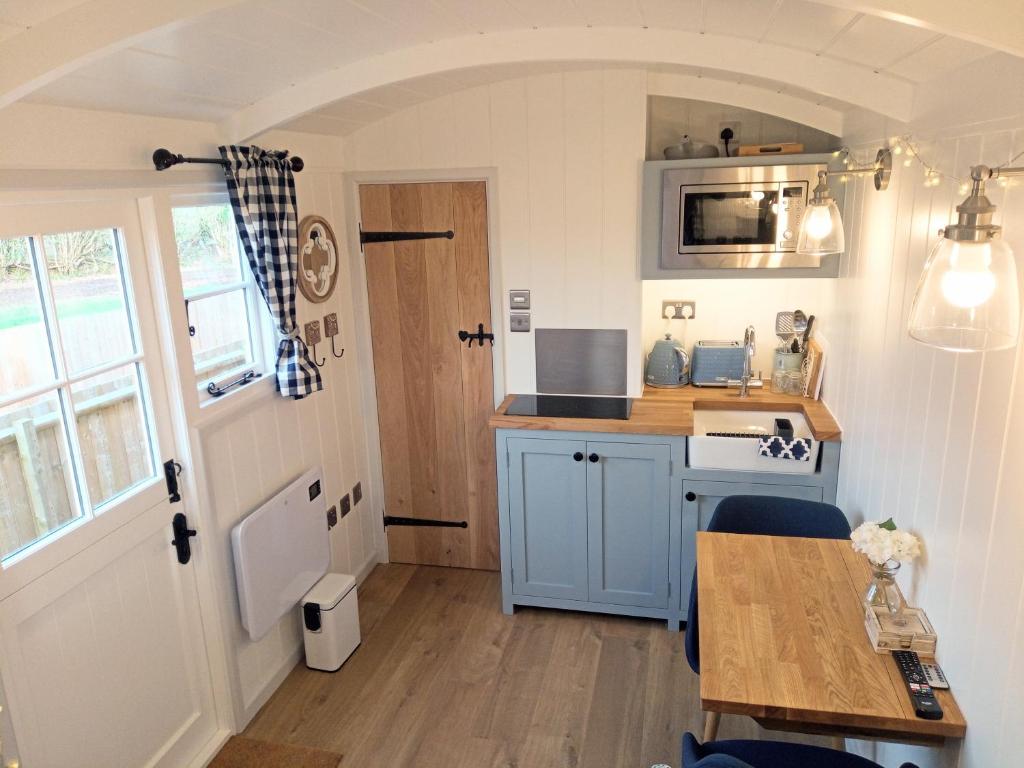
<point>883,591</point>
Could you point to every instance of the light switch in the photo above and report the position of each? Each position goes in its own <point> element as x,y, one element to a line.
<point>519,322</point>
<point>518,300</point>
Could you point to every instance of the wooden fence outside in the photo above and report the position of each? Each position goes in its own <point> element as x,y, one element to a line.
<point>37,491</point>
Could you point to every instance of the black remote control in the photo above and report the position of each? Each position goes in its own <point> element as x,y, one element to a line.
<point>925,704</point>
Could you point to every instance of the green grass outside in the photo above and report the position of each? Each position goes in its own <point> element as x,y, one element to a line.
<point>12,317</point>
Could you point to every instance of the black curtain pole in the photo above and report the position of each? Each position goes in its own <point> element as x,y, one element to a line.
<point>164,159</point>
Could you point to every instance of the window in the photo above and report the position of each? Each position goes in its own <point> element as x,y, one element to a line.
<point>75,430</point>
<point>221,298</point>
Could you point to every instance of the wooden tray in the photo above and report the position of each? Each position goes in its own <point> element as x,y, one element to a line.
<point>918,635</point>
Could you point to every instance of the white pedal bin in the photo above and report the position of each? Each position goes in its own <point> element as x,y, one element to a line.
<point>330,617</point>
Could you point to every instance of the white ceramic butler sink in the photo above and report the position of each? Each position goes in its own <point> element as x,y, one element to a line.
<point>740,453</point>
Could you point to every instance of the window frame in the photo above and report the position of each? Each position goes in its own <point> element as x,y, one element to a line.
<point>258,321</point>
<point>86,510</point>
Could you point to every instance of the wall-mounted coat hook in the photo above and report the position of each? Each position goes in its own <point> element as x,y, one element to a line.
<point>331,330</point>
<point>312,329</point>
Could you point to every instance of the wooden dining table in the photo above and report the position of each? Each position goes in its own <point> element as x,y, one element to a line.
<point>782,639</point>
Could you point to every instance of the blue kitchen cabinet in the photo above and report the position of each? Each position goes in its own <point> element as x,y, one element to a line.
<point>616,534</point>
<point>628,514</point>
<point>701,497</point>
<point>588,524</point>
<point>547,490</point>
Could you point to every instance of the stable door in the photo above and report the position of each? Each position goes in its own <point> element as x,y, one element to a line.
<point>102,650</point>
<point>429,301</point>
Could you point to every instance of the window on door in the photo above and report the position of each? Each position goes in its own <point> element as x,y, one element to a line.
<point>221,298</point>
<point>76,432</point>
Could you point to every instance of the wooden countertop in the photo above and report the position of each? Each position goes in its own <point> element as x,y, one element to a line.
<point>782,640</point>
<point>670,412</point>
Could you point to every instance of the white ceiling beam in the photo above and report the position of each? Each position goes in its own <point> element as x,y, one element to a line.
<point>758,98</point>
<point>997,24</point>
<point>851,83</point>
<point>84,33</point>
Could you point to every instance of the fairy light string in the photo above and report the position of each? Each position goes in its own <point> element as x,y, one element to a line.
<point>933,176</point>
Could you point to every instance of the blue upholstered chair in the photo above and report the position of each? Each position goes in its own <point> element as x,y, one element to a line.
<point>764,516</point>
<point>767,754</point>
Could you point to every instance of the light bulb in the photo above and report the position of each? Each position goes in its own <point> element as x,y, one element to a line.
<point>819,223</point>
<point>969,282</point>
<point>757,195</point>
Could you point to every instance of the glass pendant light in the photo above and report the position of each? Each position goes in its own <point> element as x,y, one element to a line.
<point>821,228</point>
<point>968,298</point>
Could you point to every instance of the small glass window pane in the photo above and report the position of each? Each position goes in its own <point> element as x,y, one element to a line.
<point>85,271</point>
<point>113,433</point>
<point>27,361</point>
<point>222,342</point>
<point>207,247</point>
<point>36,479</point>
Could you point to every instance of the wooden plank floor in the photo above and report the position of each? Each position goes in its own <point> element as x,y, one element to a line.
<point>444,679</point>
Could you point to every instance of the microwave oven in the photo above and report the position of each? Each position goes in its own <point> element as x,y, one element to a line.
<point>735,217</point>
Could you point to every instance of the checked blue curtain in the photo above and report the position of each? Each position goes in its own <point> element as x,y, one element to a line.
<point>262,190</point>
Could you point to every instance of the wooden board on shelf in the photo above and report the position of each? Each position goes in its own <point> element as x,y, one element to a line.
<point>784,148</point>
<point>815,363</point>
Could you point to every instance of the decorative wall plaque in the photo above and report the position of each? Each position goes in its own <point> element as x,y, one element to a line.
<point>318,259</point>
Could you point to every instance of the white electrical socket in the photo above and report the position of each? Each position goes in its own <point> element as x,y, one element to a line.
<point>681,310</point>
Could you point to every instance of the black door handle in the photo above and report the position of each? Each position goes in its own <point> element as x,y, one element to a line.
<point>182,534</point>
<point>577,456</point>
<point>691,496</point>
<point>594,458</point>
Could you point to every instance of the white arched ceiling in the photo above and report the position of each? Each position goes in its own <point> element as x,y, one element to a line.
<point>852,83</point>
<point>996,24</point>
<point>83,33</point>
<point>814,57</point>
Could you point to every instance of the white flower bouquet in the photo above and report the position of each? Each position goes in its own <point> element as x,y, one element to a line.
<point>884,542</point>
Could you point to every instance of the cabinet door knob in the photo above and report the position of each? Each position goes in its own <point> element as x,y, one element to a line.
<point>691,496</point>
<point>594,458</point>
<point>578,456</point>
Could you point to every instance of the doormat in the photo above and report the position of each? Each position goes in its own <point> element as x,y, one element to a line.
<point>242,752</point>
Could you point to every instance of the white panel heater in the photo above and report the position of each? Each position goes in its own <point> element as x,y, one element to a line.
<point>281,550</point>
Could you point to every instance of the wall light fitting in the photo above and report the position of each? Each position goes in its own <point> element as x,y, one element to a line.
<point>968,298</point>
<point>821,228</point>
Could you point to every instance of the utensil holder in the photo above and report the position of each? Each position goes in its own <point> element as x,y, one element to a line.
<point>787,361</point>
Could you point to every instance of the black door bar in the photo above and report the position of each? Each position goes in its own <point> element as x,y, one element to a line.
<point>389,520</point>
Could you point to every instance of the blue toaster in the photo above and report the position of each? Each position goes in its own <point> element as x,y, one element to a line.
<point>714,361</point>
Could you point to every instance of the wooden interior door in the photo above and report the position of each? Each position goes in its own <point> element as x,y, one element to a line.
<point>434,392</point>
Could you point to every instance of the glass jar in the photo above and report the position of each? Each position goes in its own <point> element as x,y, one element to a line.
<point>883,592</point>
<point>793,383</point>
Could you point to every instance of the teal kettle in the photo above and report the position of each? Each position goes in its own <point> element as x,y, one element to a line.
<point>668,365</point>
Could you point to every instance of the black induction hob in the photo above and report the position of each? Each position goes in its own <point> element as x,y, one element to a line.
<point>571,406</point>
